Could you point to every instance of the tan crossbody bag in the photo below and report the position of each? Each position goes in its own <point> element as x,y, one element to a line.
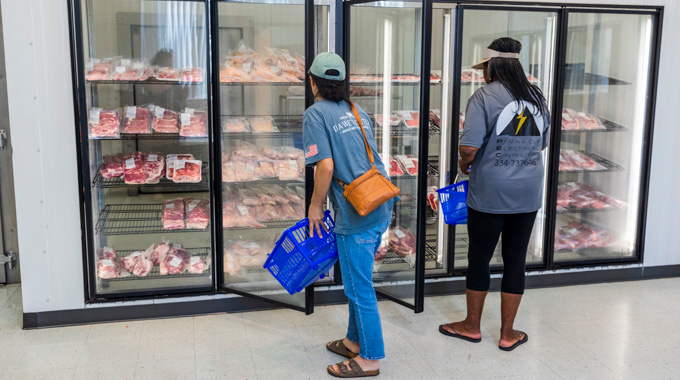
<point>371,189</point>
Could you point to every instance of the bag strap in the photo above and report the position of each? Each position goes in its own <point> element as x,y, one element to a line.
<point>363,132</point>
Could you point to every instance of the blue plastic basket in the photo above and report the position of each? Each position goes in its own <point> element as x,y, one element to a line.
<point>298,260</point>
<point>453,200</point>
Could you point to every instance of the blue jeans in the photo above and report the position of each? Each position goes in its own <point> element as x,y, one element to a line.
<point>356,255</point>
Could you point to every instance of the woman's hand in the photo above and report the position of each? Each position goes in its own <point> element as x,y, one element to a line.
<point>463,166</point>
<point>316,219</point>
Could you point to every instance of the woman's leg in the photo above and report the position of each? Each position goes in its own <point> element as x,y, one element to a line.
<point>516,235</point>
<point>483,230</point>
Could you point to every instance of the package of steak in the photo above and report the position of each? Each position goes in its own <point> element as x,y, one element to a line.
<point>175,261</point>
<point>133,169</point>
<point>173,214</point>
<point>153,164</point>
<point>131,70</point>
<point>112,166</point>
<point>103,124</point>
<point>193,123</point>
<point>164,121</point>
<point>192,74</point>
<point>197,213</point>
<point>188,171</point>
<point>235,125</point>
<point>262,124</point>
<point>137,119</point>
<point>98,69</point>
<point>167,74</point>
<point>170,162</point>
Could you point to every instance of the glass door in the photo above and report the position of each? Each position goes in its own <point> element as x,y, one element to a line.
<point>536,29</point>
<point>383,54</point>
<point>603,135</point>
<point>145,151</point>
<point>261,57</point>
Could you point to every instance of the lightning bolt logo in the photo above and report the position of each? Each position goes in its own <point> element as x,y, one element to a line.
<point>522,119</point>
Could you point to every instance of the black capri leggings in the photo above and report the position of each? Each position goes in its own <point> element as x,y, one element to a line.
<point>484,230</point>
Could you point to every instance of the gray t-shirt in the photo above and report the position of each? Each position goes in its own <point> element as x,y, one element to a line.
<point>330,130</point>
<point>507,173</point>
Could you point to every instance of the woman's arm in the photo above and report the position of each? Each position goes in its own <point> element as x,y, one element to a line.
<point>323,176</point>
<point>467,155</point>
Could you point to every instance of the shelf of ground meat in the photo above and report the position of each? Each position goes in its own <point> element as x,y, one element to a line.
<point>572,125</point>
<point>578,237</point>
<point>572,161</point>
<point>174,263</point>
<point>129,219</point>
<point>579,198</point>
<point>239,127</point>
<point>118,182</point>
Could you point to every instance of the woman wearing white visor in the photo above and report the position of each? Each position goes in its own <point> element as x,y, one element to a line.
<point>506,128</point>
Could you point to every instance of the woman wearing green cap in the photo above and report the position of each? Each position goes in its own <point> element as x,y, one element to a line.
<point>334,144</point>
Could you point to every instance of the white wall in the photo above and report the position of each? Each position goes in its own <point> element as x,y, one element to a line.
<point>45,167</point>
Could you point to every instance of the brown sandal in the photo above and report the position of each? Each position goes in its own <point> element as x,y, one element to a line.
<point>351,371</point>
<point>338,347</point>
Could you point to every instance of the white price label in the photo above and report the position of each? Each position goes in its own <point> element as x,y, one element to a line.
<point>578,158</point>
<point>120,69</point>
<point>159,112</point>
<point>169,205</point>
<point>190,111</point>
<point>89,66</point>
<point>130,163</point>
<point>247,67</point>
<point>399,233</point>
<point>409,163</point>
<point>195,260</point>
<point>572,232</point>
<point>138,65</point>
<point>153,158</point>
<point>251,245</point>
<point>125,62</point>
<point>107,263</point>
<point>243,210</point>
<point>179,164</point>
<point>567,117</point>
<point>191,206</point>
<point>135,254</point>
<point>108,249</point>
<point>250,167</point>
<point>131,112</point>
<point>175,262</point>
<point>177,246</point>
<point>186,119</point>
<point>94,115</point>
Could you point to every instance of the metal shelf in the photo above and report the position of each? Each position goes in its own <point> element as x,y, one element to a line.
<point>609,165</point>
<point>132,219</point>
<point>118,182</point>
<point>157,136</point>
<point>430,252</point>
<point>147,81</point>
<point>586,210</point>
<point>274,224</point>
<point>262,84</point>
<point>287,125</point>
<point>155,272</point>
<point>574,80</point>
<point>609,125</point>
<point>267,181</point>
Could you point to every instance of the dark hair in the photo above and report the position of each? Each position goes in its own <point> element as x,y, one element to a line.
<point>510,73</point>
<point>333,90</point>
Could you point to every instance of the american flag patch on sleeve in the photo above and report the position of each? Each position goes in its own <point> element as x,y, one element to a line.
<point>311,151</point>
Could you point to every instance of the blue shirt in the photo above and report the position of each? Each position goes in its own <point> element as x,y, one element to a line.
<point>330,130</point>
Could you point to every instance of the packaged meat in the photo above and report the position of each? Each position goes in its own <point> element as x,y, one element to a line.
<point>193,123</point>
<point>292,153</point>
<point>173,214</point>
<point>104,123</point>
<point>133,169</point>
<point>571,160</point>
<point>142,268</point>
<point>228,172</point>
<point>196,265</point>
<point>244,172</point>
<point>435,76</point>
<point>395,169</point>
<point>576,236</point>
<point>106,253</point>
<point>137,120</point>
<point>167,74</point>
<point>235,125</point>
<point>436,117</point>
<point>175,261</point>
<point>469,75</point>
<point>264,213</point>
<point>409,163</point>
<point>192,74</point>
<point>229,217</point>
<point>581,196</point>
<point>112,166</point>
<point>293,196</point>
<point>272,152</point>
<point>403,243</point>
<point>107,269</point>
<point>159,252</point>
<point>406,78</point>
<point>394,120</point>
<point>248,197</point>
<point>153,164</point>
<point>570,121</point>
<point>237,215</point>
<point>244,149</point>
<point>410,118</point>
<point>278,193</point>
<point>265,169</point>
<point>128,262</point>
<point>98,69</point>
<point>286,211</point>
<point>433,198</point>
<point>187,171</point>
<point>288,170</point>
<point>232,265</point>
<point>264,196</point>
<point>262,125</point>
<point>164,121</point>
<point>123,73</point>
<point>589,122</point>
<point>197,212</point>
<point>461,121</point>
<point>171,158</point>
<point>355,91</point>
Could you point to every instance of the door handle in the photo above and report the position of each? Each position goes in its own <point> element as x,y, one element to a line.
<point>9,258</point>
<point>3,139</point>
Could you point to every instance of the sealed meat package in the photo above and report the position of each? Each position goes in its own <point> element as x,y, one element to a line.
<point>403,243</point>
<point>265,169</point>
<point>235,125</point>
<point>104,123</point>
<point>167,74</point>
<point>436,117</point>
<point>98,69</point>
<point>262,125</point>
<point>409,163</point>
<point>133,169</point>
<point>293,196</point>
<point>175,261</point>
<point>173,214</point>
<point>461,120</point>
<point>577,160</point>
<point>194,123</point>
<point>159,252</point>
<point>395,169</point>
<point>264,196</point>
<point>433,198</point>
<point>272,153</point>
<point>164,121</point>
<point>187,171</point>
<point>244,149</point>
<point>142,268</point>
<point>288,170</point>
<point>112,166</point>
<point>106,253</point>
<point>170,164</point>
<point>244,172</point>
<point>278,193</point>
<point>192,74</point>
<point>394,120</point>
<point>107,269</point>
<point>197,213</point>
<point>197,265</point>
<point>128,262</point>
<point>589,122</point>
<point>137,120</point>
<point>129,70</point>
<point>570,120</point>
<point>410,118</point>
<point>248,197</point>
<point>153,165</point>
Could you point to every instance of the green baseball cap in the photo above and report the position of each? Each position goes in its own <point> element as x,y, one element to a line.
<point>328,66</point>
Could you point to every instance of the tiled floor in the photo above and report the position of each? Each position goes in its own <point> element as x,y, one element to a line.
<point>623,330</point>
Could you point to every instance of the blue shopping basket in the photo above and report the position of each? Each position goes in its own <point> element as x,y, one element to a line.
<point>298,260</point>
<point>453,200</point>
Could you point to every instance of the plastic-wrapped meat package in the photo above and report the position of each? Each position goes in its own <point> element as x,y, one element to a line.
<point>167,73</point>
<point>232,265</point>
<point>159,252</point>
<point>408,162</point>
<point>104,123</point>
<point>128,262</point>
<point>278,193</point>
<point>288,170</point>
<point>142,268</point>
<point>589,122</point>
<point>154,166</point>
<point>192,74</point>
<point>436,117</point>
<point>410,118</point>
<point>194,124</point>
<point>570,121</point>
<point>262,125</point>
<point>581,160</point>
<point>265,169</point>
<point>433,198</point>
<point>532,79</point>
<point>395,169</point>
<point>244,172</point>
<point>286,211</point>
<point>187,171</point>
<point>293,196</point>
<point>290,70</point>
<point>468,75</point>
<point>567,162</point>
<point>246,219</point>
<point>435,76</point>
<point>244,149</point>
<point>197,265</point>
<point>112,166</point>
<point>138,120</point>
<point>264,196</point>
<point>403,243</point>
<point>461,121</point>
<point>98,70</point>
<point>106,253</point>
<point>394,120</point>
<point>197,212</point>
<point>248,197</point>
<point>272,153</point>
<point>107,269</point>
<point>175,261</point>
<point>230,218</point>
<point>164,121</point>
<point>133,169</point>
<point>228,172</point>
<point>130,70</point>
<point>173,214</point>
<point>235,125</point>
<point>171,158</point>
<point>296,154</point>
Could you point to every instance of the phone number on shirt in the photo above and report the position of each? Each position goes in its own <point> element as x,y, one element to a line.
<point>516,163</point>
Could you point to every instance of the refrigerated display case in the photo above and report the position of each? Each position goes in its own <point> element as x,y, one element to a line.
<point>603,135</point>
<point>145,147</point>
